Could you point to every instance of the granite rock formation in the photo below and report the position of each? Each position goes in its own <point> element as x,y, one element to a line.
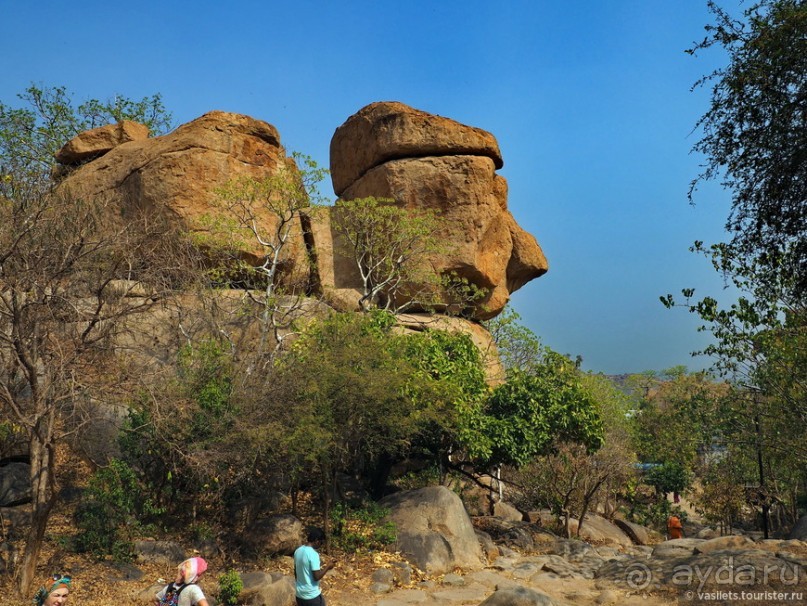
<point>180,173</point>
<point>385,150</point>
<point>390,150</point>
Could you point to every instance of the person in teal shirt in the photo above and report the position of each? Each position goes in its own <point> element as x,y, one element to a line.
<point>308,571</point>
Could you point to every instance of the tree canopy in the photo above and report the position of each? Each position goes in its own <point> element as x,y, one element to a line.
<point>754,135</point>
<point>30,135</point>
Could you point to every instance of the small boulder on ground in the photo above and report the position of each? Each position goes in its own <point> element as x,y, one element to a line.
<point>507,512</point>
<point>266,589</point>
<point>518,596</point>
<point>636,532</point>
<point>277,534</point>
<point>159,552</point>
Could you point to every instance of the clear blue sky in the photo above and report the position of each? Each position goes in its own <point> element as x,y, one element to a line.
<point>590,102</point>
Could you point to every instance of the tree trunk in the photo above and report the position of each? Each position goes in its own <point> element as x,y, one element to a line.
<point>587,498</point>
<point>43,498</point>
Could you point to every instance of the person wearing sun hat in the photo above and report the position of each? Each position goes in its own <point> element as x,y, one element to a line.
<point>185,585</point>
<point>54,591</point>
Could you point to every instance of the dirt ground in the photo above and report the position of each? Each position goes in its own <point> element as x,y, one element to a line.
<point>101,583</point>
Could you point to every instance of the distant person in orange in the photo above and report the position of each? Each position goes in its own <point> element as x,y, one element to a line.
<point>675,530</point>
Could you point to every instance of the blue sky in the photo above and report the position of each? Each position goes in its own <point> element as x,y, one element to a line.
<point>590,102</point>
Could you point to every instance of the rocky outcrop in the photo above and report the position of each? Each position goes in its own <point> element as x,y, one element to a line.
<point>385,150</point>
<point>389,131</point>
<point>640,535</point>
<point>390,150</point>
<point>277,534</point>
<point>599,530</point>
<point>267,589</point>
<point>181,173</point>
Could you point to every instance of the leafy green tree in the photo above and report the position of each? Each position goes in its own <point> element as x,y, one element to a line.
<point>178,438</point>
<point>722,498</point>
<point>517,346</point>
<point>449,386</point>
<point>670,476</point>
<point>531,411</point>
<point>109,516</point>
<point>753,140</point>
<point>677,419</point>
<point>31,135</point>
<point>342,393</point>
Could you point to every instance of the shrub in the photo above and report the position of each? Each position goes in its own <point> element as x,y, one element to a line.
<point>363,528</point>
<point>108,517</point>
<point>230,586</point>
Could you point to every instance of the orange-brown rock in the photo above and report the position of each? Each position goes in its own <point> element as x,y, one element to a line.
<point>386,150</point>
<point>389,150</point>
<point>98,141</point>
<point>390,130</point>
<point>180,172</point>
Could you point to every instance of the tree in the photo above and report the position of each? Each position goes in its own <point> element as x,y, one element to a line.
<point>66,266</point>
<point>449,386</point>
<point>179,435</point>
<point>31,135</point>
<point>532,411</point>
<point>755,142</point>
<point>569,479</point>
<point>677,418</point>
<point>755,137</point>
<point>343,394</point>
<point>266,214</point>
<point>390,247</point>
<point>517,346</point>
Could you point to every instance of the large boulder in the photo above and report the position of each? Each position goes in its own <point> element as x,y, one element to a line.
<point>385,150</point>
<point>799,531</point>
<point>277,534</point>
<point>389,150</point>
<point>181,174</point>
<point>639,534</point>
<point>434,530</point>
<point>597,529</point>
<point>15,484</point>
<point>388,130</point>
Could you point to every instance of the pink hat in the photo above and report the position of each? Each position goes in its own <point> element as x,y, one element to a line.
<point>192,569</point>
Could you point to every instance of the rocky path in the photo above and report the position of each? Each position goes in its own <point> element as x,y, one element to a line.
<point>726,570</point>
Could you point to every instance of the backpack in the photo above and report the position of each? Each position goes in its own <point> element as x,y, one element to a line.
<point>171,597</point>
